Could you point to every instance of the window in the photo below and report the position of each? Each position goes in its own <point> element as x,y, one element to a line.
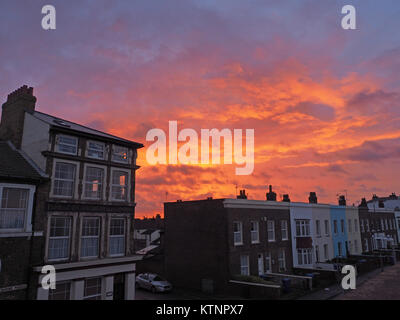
<point>92,289</point>
<point>95,150</point>
<point>90,237</point>
<point>117,237</point>
<point>282,260</point>
<point>355,225</point>
<point>94,182</point>
<point>326,257</point>
<point>61,292</point>
<point>302,228</point>
<point>119,154</point>
<point>367,225</point>
<point>335,229</point>
<point>317,253</point>
<point>340,249</point>
<point>271,230</point>
<point>284,230</point>
<point>59,238</point>
<point>13,208</point>
<point>342,225</point>
<point>268,263</point>
<point>119,185</point>
<point>355,246</point>
<point>317,228</point>
<point>382,225</point>
<point>350,228</point>
<point>64,179</point>
<point>366,244</point>
<point>386,225</point>
<point>326,227</point>
<point>67,144</point>
<point>350,247</point>
<point>237,233</point>
<point>244,265</point>
<point>304,256</point>
<point>362,225</point>
<point>254,232</point>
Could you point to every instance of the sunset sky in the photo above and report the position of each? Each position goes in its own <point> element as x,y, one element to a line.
<point>324,102</point>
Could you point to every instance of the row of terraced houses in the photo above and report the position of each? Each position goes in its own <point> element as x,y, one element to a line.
<point>218,239</point>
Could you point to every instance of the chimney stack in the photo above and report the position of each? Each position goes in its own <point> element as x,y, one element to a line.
<point>13,114</point>
<point>286,198</point>
<point>271,196</point>
<point>342,200</point>
<point>313,198</point>
<point>363,203</point>
<point>242,195</point>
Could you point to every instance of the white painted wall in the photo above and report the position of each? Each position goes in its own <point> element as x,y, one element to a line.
<point>35,139</point>
<point>321,212</point>
<point>353,235</point>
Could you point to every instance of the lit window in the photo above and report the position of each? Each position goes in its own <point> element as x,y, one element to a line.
<point>117,237</point>
<point>119,154</point>
<point>94,182</point>
<point>64,179</point>
<point>13,208</point>
<point>90,237</point>
<point>119,185</point>
<point>95,150</point>
<point>67,144</point>
<point>59,238</point>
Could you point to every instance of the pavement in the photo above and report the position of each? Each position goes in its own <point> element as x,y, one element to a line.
<point>375,285</point>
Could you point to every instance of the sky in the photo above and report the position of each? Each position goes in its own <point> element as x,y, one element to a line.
<point>324,102</point>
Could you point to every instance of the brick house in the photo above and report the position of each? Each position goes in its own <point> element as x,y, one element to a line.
<point>87,212</point>
<point>207,242</point>
<point>377,226</point>
<point>19,182</point>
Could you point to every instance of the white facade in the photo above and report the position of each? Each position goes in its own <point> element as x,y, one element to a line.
<point>353,231</point>
<point>323,244</point>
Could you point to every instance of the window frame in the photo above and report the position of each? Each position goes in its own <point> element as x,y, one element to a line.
<point>117,236</point>
<point>114,146</point>
<point>103,182</point>
<point>303,228</point>
<point>128,185</point>
<point>240,232</point>
<point>246,266</point>
<point>284,228</point>
<point>28,210</point>
<point>49,237</point>
<point>100,294</point>
<point>269,230</point>
<point>255,232</point>
<point>88,149</point>
<point>57,144</point>
<point>91,237</point>
<point>75,181</point>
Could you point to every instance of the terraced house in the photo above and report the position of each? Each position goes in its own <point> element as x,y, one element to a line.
<point>88,211</point>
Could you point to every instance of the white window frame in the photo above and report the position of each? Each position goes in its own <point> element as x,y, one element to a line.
<point>57,144</point>
<point>76,180</point>
<point>282,260</point>
<point>117,236</point>
<point>304,256</point>
<point>49,237</point>
<point>271,230</point>
<point>237,233</point>
<point>29,208</point>
<point>244,268</point>
<point>254,234</point>
<point>103,183</point>
<point>303,225</point>
<point>268,262</point>
<point>88,149</point>
<point>90,237</point>
<point>128,185</point>
<point>114,146</point>
<point>326,252</point>
<point>284,230</point>
<point>318,228</point>
<point>326,226</point>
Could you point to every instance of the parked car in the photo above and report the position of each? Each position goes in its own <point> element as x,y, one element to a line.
<point>152,282</point>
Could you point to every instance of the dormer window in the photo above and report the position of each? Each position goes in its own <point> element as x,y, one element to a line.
<point>67,144</point>
<point>119,154</point>
<point>95,150</point>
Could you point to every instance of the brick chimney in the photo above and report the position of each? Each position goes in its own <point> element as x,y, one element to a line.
<point>342,200</point>
<point>313,198</point>
<point>286,198</point>
<point>13,114</point>
<point>363,203</point>
<point>271,196</point>
<point>242,195</point>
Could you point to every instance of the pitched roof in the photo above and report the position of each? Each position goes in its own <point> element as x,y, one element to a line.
<point>65,124</point>
<point>14,164</point>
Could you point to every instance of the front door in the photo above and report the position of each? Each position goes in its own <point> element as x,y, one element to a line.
<point>260,264</point>
<point>119,287</point>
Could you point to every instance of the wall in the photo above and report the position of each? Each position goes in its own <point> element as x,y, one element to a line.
<point>353,232</point>
<point>321,212</point>
<point>338,213</point>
